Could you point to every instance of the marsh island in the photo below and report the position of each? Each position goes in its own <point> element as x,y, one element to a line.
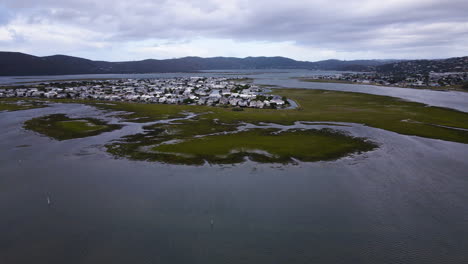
<point>193,133</point>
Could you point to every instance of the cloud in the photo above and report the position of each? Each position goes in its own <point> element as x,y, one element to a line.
<point>5,15</point>
<point>347,28</point>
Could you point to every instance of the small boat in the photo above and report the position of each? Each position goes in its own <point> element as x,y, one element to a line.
<point>48,200</point>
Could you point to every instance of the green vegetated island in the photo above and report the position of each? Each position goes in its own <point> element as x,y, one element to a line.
<point>61,127</point>
<point>13,104</point>
<point>213,135</point>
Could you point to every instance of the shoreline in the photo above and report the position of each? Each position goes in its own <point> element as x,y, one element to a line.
<point>448,89</point>
<point>385,112</point>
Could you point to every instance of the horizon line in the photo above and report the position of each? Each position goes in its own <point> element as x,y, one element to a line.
<point>189,56</point>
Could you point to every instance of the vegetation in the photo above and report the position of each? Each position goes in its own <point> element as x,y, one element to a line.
<point>265,145</point>
<point>377,111</point>
<point>245,80</point>
<point>383,112</point>
<point>213,135</point>
<point>425,66</point>
<point>61,127</point>
<point>133,146</point>
<point>302,79</point>
<point>16,105</point>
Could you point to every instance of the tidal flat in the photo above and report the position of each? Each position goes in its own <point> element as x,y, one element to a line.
<point>383,112</point>
<point>212,134</point>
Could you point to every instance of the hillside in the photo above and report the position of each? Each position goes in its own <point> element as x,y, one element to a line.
<point>459,64</point>
<point>17,64</point>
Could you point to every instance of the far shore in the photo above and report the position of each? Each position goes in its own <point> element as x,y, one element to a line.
<point>442,89</point>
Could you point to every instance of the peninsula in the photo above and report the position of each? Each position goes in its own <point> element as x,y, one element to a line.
<point>190,91</point>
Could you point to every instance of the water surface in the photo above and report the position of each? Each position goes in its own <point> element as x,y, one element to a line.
<point>406,202</point>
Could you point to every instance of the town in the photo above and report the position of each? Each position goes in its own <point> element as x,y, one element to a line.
<point>193,90</point>
<point>416,80</point>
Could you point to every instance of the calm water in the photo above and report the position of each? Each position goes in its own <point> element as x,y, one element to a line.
<point>406,202</point>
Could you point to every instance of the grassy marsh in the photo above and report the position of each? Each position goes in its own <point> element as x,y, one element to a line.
<point>266,145</point>
<point>383,112</point>
<point>17,105</point>
<point>61,127</point>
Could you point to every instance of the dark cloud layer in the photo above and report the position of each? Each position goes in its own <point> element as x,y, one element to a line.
<point>394,26</point>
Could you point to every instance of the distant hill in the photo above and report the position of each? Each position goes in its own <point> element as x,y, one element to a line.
<point>20,64</point>
<point>459,64</point>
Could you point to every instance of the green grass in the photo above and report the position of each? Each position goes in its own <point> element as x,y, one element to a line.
<point>131,146</point>
<point>323,80</point>
<point>383,112</point>
<point>61,127</point>
<point>13,104</point>
<point>315,105</point>
<point>243,80</point>
<point>377,111</point>
<point>196,126</point>
<point>264,145</point>
<point>79,126</point>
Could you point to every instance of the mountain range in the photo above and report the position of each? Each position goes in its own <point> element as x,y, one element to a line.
<point>20,64</point>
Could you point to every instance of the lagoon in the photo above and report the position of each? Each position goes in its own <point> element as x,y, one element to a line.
<point>404,202</point>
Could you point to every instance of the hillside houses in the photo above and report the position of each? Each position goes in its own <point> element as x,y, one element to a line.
<point>193,90</point>
<point>431,79</point>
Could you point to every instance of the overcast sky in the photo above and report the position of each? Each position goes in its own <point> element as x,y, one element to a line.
<point>311,30</point>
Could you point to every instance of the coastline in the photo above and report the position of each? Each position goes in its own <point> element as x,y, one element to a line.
<point>440,89</point>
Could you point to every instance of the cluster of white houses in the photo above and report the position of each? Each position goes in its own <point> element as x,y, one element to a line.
<point>432,79</point>
<point>193,90</point>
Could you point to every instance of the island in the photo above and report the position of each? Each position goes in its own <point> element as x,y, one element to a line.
<point>62,127</point>
<point>195,120</point>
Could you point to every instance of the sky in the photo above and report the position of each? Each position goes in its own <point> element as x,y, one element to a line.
<point>310,30</point>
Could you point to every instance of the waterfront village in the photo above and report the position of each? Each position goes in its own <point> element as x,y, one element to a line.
<point>431,79</point>
<point>193,90</point>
